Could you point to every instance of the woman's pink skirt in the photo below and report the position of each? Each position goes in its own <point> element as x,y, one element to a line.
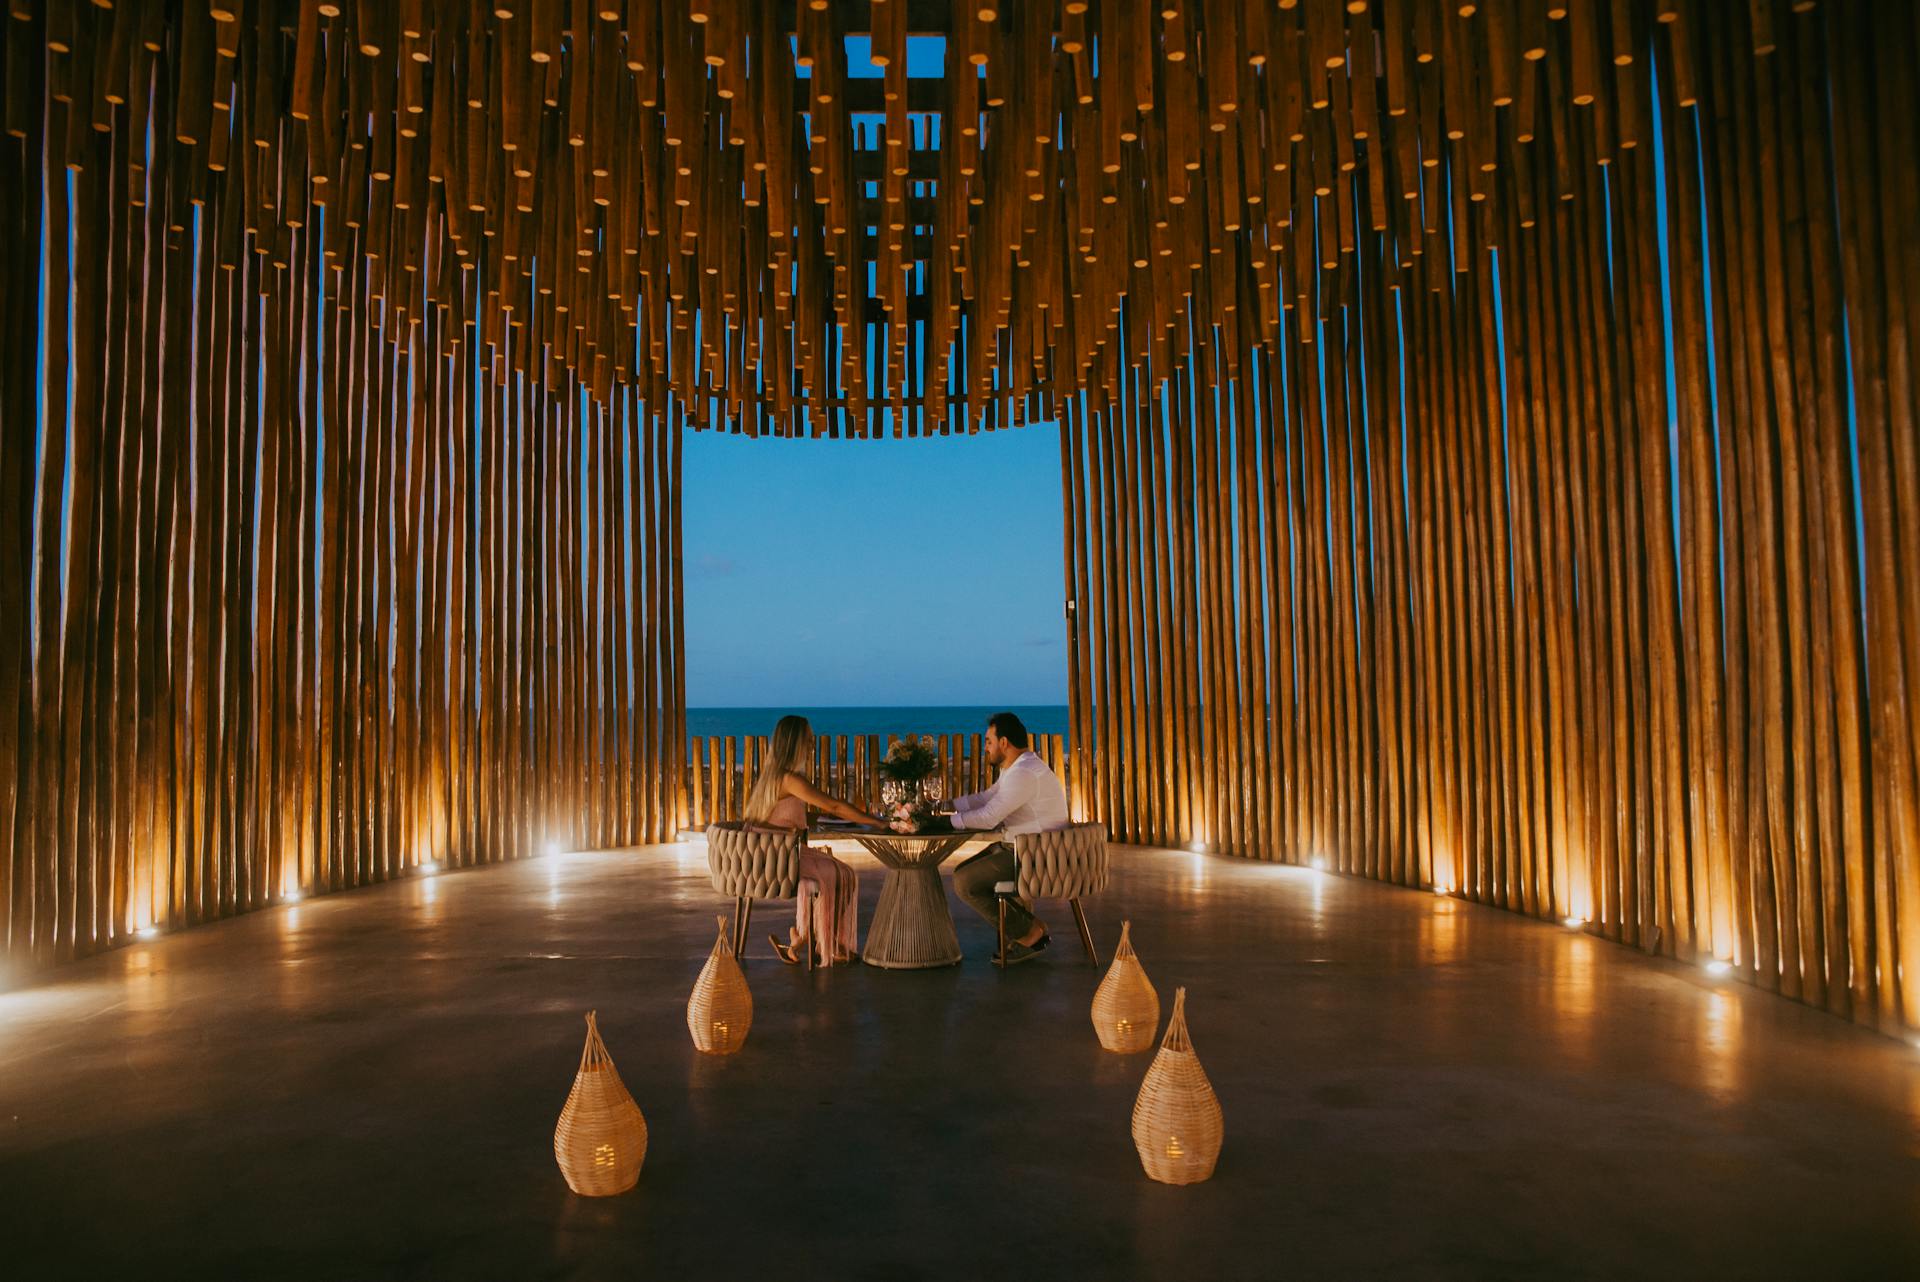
<point>834,905</point>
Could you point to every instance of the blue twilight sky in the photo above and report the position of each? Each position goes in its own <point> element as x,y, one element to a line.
<point>829,573</point>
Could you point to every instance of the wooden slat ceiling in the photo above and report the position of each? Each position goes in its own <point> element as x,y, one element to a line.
<point>961,245</point>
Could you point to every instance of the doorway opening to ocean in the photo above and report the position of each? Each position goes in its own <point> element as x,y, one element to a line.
<point>876,587</point>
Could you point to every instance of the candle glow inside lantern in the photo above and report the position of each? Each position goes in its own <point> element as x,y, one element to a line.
<point>1177,1124</point>
<point>720,1010</point>
<point>601,1139</point>
<point>1126,1009</point>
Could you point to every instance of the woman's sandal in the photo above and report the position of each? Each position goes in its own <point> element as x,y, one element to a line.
<point>788,953</point>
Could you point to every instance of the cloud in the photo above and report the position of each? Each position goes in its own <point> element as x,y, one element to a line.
<point>710,566</point>
<point>1040,643</point>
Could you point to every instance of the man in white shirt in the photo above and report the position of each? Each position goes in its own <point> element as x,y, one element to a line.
<point>1027,797</point>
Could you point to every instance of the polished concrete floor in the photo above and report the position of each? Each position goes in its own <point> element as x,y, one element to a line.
<point>365,1087</point>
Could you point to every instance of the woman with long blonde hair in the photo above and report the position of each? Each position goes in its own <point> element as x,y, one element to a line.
<point>780,798</point>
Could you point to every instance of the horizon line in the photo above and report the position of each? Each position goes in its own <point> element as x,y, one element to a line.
<point>765,707</point>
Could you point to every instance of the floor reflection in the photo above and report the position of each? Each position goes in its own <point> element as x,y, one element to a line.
<point>1720,1043</point>
<point>1440,932</point>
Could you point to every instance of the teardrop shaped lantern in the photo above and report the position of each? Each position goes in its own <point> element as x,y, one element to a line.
<point>1177,1125</point>
<point>720,1011</point>
<point>601,1139</point>
<point>1126,1010</point>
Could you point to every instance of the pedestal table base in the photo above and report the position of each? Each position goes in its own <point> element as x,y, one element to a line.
<point>912,927</point>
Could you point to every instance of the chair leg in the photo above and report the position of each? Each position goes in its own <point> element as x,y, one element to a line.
<point>1000,958</point>
<point>812,917</point>
<point>1086,936</point>
<point>746,916</point>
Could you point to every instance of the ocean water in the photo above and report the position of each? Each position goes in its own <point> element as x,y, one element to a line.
<point>960,719</point>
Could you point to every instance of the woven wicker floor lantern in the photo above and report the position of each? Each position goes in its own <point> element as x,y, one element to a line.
<point>602,1138</point>
<point>1176,1121</point>
<point>720,1011</point>
<point>1126,1010</point>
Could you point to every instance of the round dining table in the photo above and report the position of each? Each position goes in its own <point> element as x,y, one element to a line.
<point>912,927</point>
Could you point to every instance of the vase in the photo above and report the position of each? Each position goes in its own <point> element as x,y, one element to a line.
<point>912,793</point>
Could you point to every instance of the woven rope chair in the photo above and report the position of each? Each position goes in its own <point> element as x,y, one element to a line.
<point>754,863</point>
<point>1066,863</point>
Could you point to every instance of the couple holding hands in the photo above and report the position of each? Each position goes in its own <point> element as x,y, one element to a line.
<point>1027,797</point>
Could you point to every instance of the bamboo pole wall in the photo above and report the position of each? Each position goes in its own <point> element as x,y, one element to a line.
<point>1488,430</point>
<point>326,558</point>
<point>1524,550</point>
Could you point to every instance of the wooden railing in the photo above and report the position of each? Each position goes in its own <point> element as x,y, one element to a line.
<point>721,768</point>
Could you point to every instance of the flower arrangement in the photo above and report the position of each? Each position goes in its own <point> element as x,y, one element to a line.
<point>911,784</point>
<point>909,760</point>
